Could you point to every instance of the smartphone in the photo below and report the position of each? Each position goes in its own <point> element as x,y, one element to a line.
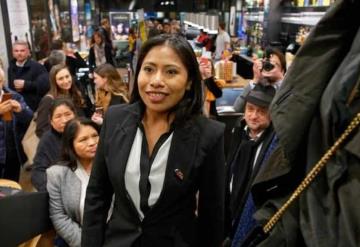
<point>204,60</point>
<point>99,110</point>
<point>7,116</point>
<point>6,96</point>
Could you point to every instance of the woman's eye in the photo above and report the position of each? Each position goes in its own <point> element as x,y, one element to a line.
<point>148,69</point>
<point>172,72</point>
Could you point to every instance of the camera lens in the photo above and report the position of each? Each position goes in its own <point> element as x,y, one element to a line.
<point>267,66</point>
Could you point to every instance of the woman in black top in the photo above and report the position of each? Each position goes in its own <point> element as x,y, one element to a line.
<point>49,148</point>
<point>61,86</point>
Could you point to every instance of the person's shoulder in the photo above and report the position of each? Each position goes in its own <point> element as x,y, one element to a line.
<point>14,93</point>
<point>209,126</point>
<point>12,63</point>
<point>46,99</point>
<point>35,65</point>
<point>60,168</point>
<point>48,138</point>
<point>119,109</point>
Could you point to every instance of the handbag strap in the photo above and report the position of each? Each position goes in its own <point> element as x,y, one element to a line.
<point>312,174</point>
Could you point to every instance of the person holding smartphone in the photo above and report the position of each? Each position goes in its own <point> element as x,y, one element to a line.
<point>110,90</point>
<point>15,116</point>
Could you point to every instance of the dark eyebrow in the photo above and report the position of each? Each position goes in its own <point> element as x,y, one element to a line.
<point>166,66</point>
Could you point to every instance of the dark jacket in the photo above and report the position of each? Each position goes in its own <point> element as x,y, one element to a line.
<point>242,170</point>
<point>116,99</point>
<point>309,113</point>
<point>19,124</point>
<point>196,150</point>
<point>48,153</point>
<point>108,56</point>
<point>36,81</point>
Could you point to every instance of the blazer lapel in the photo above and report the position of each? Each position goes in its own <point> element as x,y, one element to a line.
<point>119,149</point>
<point>180,164</point>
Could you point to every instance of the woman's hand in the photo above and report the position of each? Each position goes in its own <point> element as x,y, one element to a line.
<point>257,67</point>
<point>205,68</point>
<point>97,118</point>
<point>16,107</point>
<point>10,105</point>
<point>5,107</point>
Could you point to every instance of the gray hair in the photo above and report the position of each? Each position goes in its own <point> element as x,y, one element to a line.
<point>56,57</point>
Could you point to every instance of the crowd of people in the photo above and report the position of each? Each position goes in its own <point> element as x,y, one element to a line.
<point>147,167</point>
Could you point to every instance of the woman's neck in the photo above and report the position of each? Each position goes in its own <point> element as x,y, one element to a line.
<point>86,164</point>
<point>64,92</point>
<point>151,118</point>
<point>155,125</point>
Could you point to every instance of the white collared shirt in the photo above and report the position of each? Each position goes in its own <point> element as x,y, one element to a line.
<point>20,64</point>
<point>256,153</point>
<point>156,175</point>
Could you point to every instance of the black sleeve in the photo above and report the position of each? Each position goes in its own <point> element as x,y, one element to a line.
<point>42,161</point>
<point>211,193</point>
<point>91,59</point>
<point>213,87</point>
<point>42,118</point>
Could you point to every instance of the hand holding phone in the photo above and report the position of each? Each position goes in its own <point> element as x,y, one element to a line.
<point>6,107</point>
<point>100,110</point>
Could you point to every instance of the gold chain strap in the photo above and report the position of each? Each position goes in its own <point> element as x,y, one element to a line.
<point>312,174</point>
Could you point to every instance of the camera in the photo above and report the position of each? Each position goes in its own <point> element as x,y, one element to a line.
<point>267,65</point>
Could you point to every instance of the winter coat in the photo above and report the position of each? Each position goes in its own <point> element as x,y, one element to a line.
<point>36,81</point>
<point>311,110</point>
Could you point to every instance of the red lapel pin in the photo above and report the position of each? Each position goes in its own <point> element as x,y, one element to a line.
<point>179,174</point>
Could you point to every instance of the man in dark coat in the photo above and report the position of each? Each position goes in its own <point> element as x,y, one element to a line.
<point>251,140</point>
<point>27,77</point>
<point>309,113</point>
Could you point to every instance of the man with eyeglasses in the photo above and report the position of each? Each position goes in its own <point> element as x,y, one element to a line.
<point>267,71</point>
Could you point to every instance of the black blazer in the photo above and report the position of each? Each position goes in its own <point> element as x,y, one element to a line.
<point>196,150</point>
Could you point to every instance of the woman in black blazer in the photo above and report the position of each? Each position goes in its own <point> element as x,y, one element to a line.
<point>162,160</point>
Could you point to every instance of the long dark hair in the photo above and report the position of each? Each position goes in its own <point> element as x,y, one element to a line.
<point>74,93</point>
<point>69,155</point>
<point>191,104</point>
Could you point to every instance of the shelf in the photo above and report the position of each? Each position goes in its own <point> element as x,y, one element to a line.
<point>302,18</point>
<point>255,9</point>
<point>254,16</point>
<point>294,9</point>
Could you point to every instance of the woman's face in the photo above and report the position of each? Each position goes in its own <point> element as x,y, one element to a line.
<point>62,114</point>
<point>63,79</point>
<point>100,81</point>
<point>97,39</point>
<point>163,80</point>
<point>85,142</point>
